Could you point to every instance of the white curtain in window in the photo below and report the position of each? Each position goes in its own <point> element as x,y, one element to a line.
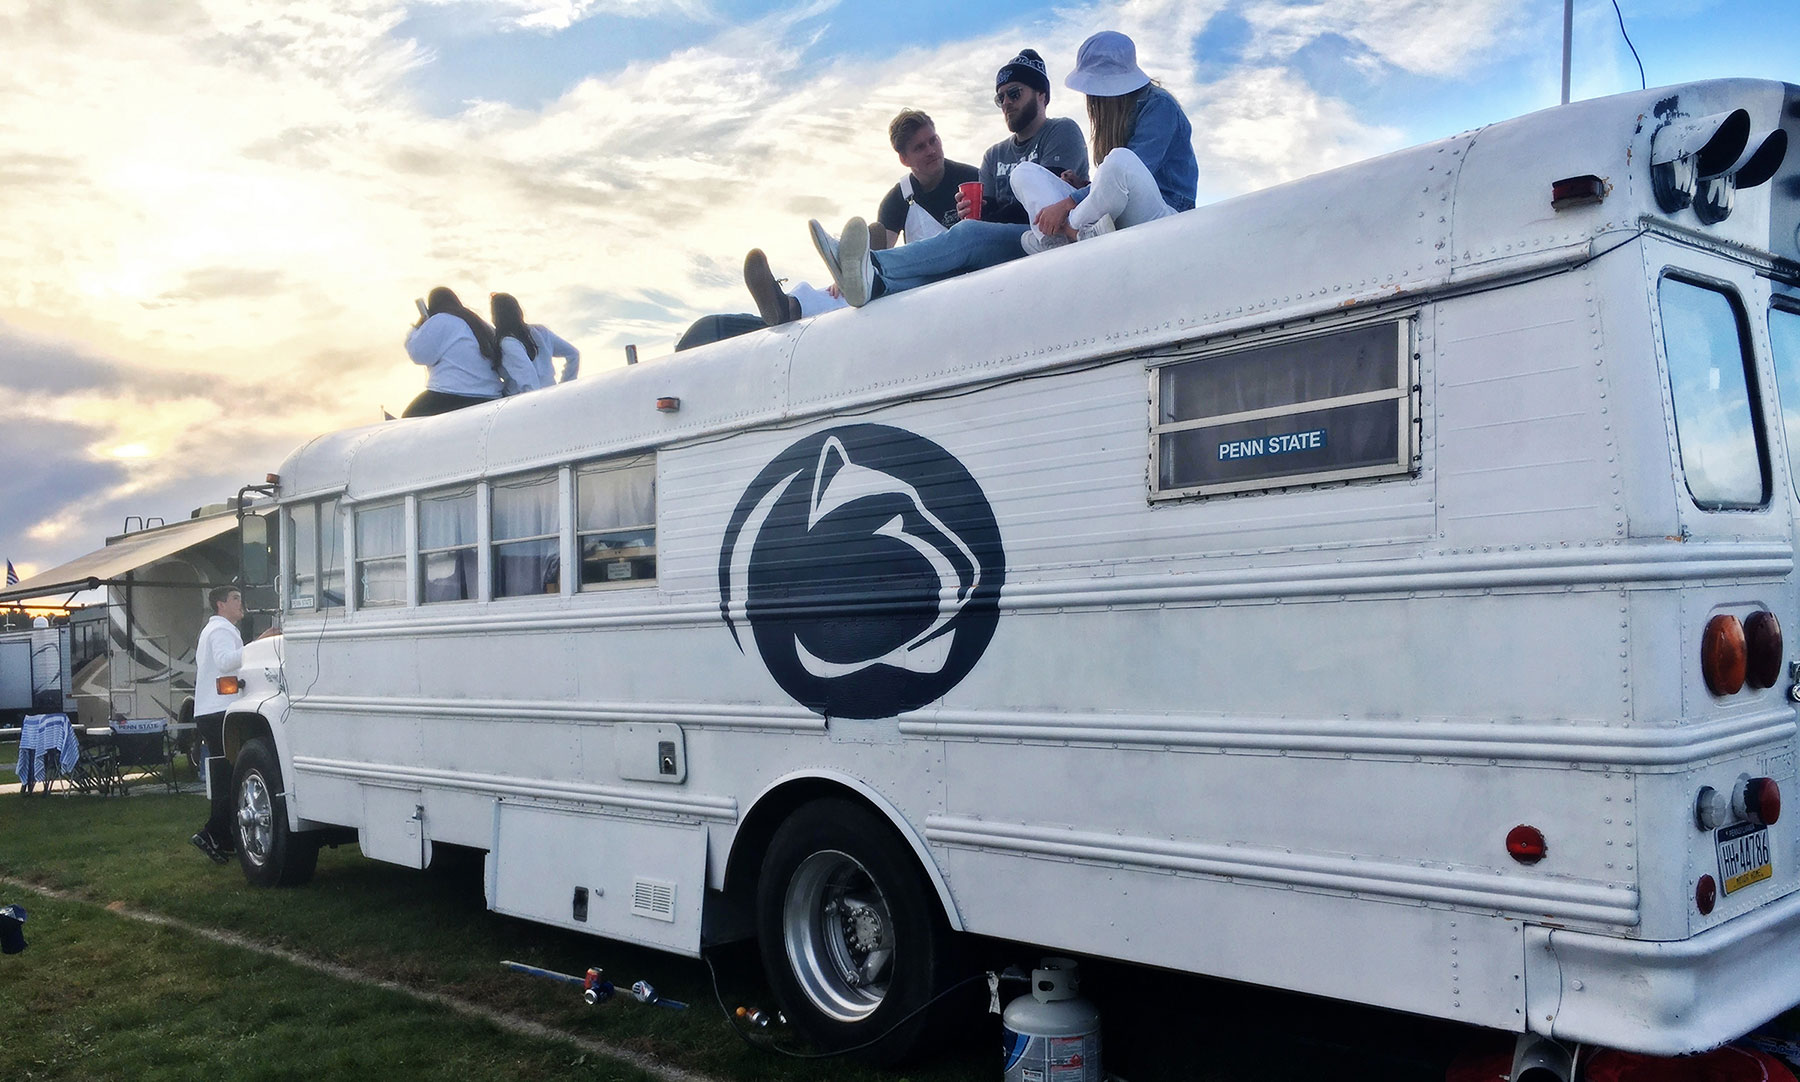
<point>447,519</point>
<point>525,509</point>
<point>607,499</point>
<point>380,531</point>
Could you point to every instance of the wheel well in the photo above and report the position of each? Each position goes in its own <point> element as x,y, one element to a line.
<point>751,842</point>
<point>240,729</point>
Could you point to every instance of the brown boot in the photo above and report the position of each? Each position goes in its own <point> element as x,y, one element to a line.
<point>772,304</point>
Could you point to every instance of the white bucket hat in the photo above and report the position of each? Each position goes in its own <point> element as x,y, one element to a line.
<point>1106,66</point>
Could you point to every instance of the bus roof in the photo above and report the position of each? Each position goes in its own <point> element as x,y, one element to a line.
<point>1470,208</point>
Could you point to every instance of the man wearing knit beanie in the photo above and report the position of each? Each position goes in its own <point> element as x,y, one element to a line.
<point>1022,91</point>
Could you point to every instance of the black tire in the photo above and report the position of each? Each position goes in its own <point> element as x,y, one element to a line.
<point>841,893</point>
<point>270,854</point>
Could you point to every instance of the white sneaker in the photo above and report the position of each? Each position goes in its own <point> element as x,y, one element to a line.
<point>856,271</point>
<point>1034,242</point>
<point>826,247</point>
<point>1103,224</point>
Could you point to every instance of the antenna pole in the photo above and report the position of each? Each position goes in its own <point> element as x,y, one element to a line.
<point>1568,28</point>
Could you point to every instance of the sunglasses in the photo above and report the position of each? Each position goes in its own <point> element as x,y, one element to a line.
<point>1001,99</point>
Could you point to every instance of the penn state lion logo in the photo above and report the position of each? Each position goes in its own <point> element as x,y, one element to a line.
<point>867,564</point>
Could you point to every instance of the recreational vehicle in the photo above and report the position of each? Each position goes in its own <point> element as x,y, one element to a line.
<point>1372,586</point>
<point>132,654</point>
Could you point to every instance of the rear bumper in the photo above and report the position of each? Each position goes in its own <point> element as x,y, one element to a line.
<point>1670,998</point>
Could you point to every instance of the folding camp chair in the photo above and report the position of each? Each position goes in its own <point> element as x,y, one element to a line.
<point>49,753</point>
<point>144,751</point>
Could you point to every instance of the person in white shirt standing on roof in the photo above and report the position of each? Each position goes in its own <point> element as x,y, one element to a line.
<point>459,353</point>
<point>220,652</point>
<point>526,348</point>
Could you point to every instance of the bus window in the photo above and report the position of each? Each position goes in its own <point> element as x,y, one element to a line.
<point>316,537</point>
<point>527,532</point>
<point>331,555</point>
<point>303,557</point>
<point>447,559</point>
<point>1328,407</point>
<point>615,523</point>
<point>1784,335</point>
<point>381,555</point>
<point>1715,424</point>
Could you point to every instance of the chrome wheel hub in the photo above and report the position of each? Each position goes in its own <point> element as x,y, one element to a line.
<point>256,819</point>
<point>839,936</point>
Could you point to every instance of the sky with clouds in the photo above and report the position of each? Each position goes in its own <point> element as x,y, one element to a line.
<point>218,212</point>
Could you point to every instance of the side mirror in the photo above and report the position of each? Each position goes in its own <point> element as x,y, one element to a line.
<point>256,562</point>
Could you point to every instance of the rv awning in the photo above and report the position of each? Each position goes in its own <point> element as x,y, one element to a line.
<point>109,565</point>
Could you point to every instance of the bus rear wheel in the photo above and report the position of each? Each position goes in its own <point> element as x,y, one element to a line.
<point>852,937</point>
<point>270,854</point>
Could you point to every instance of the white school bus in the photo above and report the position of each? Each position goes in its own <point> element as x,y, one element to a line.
<point>1373,586</point>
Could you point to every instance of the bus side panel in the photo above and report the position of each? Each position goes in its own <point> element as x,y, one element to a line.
<point>1435,961</point>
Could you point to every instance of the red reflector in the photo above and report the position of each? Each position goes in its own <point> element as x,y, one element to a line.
<point>1526,844</point>
<point>1577,192</point>
<point>1706,895</point>
<point>1762,800</point>
<point>1723,656</point>
<point>1762,644</point>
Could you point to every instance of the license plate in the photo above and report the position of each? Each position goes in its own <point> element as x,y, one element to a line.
<point>1743,855</point>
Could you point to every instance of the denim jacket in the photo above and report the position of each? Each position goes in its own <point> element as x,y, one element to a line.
<point>1163,140</point>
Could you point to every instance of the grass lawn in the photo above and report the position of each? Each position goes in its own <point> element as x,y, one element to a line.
<point>97,995</point>
<point>100,996</point>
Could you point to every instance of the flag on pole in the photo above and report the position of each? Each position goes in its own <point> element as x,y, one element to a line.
<point>12,577</point>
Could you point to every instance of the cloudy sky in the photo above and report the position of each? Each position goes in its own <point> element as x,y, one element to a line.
<point>217,213</point>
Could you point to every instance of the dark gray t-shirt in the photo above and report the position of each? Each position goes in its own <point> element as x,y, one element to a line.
<point>1057,146</point>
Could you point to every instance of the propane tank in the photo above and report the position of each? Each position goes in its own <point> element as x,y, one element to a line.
<point>1052,1035</point>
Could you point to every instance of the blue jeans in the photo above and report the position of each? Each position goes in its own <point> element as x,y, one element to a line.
<point>966,246</point>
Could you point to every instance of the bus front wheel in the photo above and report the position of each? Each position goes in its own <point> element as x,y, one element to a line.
<point>852,937</point>
<point>270,854</point>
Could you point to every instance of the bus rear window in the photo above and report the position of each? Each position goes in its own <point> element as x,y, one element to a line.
<point>1784,335</point>
<point>1709,380</point>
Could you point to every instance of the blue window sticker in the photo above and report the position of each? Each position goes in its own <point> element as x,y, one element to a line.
<point>1282,444</point>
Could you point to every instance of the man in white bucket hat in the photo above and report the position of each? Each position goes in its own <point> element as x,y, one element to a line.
<point>1142,141</point>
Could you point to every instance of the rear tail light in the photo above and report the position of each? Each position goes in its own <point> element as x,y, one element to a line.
<point>1762,641</point>
<point>1706,894</point>
<point>1760,799</point>
<point>1723,655</point>
<point>1526,844</point>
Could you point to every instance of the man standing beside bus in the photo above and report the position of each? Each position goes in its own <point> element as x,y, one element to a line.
<point>220,652</point>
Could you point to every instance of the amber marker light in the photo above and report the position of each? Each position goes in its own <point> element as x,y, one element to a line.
<point>1723,655</point>
<point>1706,895</point>
<point>1526,844</point>
<point>1762,643</point>
<point>668,404</point>
<point>228,685</point>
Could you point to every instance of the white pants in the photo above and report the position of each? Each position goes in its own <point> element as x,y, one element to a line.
<point>1036,188</point>
<point>1121,186</point>
<point>814,302</point>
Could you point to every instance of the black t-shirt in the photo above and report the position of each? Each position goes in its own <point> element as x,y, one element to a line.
<point>939,202</point>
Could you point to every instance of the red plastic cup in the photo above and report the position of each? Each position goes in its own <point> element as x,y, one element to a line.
<point>971,191</point>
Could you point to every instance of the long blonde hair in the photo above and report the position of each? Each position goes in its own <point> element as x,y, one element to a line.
<point>1110,118</point>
